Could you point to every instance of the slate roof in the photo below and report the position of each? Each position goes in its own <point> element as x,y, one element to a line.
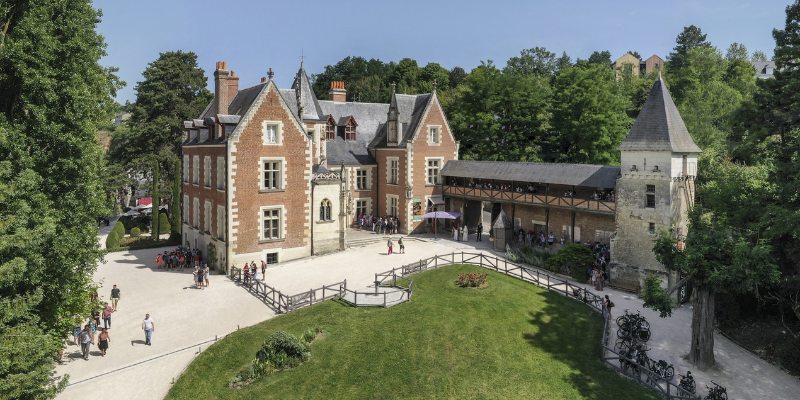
<point>410,108</point>
<point>587,175</point>
<point>764,69</point>
<point>659,126</point>
<point>370,117</point>
<point>240,104</point>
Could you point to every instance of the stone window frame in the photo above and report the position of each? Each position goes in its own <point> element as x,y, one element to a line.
<point>186,209</point>
<point>278,134</point>
<point>365,177</point>
<point>221,173</point>
<point>196,212</point>
<point>389,198</point>
<point>367,205</point>
<point>438,178</point>
<point>195,170</point>
<point>431,130</point>
<point>330,129</point>
<point>651,228</point>
<point>389,170</point>
<point>207,217</point>
<point>282,174</point>
<point>281,223</point>
<point>325,208</point>
<point>220,222</point>
<point>650,196</point>
<point>186,167</point>
<point>207,171</point>
<point>274,256</point>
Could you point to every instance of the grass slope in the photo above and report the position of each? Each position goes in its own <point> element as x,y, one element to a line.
<point>511,340</point>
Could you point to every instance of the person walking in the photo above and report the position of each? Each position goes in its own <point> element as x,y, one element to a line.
<point>402,246</point>
<point>76,334</point>
<point>148,326</point>
<point>480,231</point>
<point>389,244</point>
<point>115,297</point>
<point>103,340</point>
<point>86,341</point>
<point>107,310</point>
<point>607,305</point>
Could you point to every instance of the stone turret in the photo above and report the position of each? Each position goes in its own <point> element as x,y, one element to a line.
<point>655,188</point>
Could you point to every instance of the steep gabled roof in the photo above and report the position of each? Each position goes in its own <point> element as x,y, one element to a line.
<point>410,108</point>
<point>311,108</point>
<point>239,105</point>
<point>369,117</point>
<point>659,126</point>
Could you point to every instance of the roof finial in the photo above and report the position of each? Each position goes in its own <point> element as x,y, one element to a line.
<point>301,58</point>
<point>270,74</point>
<point>434,85</point>
<point>659,74</point>
<point>394,86</point>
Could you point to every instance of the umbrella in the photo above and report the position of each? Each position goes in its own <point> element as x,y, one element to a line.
<point>441,214</point>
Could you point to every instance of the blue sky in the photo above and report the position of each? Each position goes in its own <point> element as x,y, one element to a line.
<point>255,35</point>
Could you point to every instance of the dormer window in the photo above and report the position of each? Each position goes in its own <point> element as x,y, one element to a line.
<point>330,129</point>
<point>350,128</point>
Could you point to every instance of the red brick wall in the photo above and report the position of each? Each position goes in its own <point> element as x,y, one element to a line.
<point>247,195</point>
<point>200,191</point>
<point>383,188</point>
<point>420,149</point>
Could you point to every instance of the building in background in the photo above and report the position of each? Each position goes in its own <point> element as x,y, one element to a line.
<point>633,65</point>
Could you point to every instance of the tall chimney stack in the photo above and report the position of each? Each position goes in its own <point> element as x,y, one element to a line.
<point>338,92</point>
<point>233,88</point>
<point>221,93</point>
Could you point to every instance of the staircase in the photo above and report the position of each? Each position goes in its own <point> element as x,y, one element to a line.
<point>372,239</point>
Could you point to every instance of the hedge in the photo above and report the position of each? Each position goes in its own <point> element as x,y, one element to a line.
<point>135,231</point>
<point>112,241</point>
<point>163,223</point>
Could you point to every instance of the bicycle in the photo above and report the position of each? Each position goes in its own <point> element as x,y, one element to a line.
<point>661,368</point>
<point>716,393</point>
<point>687,383</point>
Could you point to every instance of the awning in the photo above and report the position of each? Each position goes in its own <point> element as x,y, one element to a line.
<point>436,200</point>
<point>442,215</point>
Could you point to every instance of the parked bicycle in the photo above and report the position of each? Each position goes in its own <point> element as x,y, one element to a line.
<point>687,383</point>
<point>662,369</point>
<point>716,393</point>
<point>633,325</point>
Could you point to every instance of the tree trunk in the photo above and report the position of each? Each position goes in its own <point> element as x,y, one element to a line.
<point>701,353</point>
<point>156,202</point>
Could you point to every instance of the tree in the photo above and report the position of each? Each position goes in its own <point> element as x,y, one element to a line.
<point>759,55</point>
<point>563,62</point>
<point>155,195</point>
<point>589,115</point>
<point>175,205</point>
<point>55,95</point>
<point>690,38</point>
<point>457,74</point>
<point>600,57</point>
<point>535,61</point>
<point>635,54</point>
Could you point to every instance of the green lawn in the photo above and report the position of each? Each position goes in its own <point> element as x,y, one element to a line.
<point>511,340</point>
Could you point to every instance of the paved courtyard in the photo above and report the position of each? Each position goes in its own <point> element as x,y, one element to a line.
<point>185,316</point>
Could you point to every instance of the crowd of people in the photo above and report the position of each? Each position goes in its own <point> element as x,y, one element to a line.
<point>85,332</point>
<point>380,225</point>
<point>179,258</point>
<point>531,238</point>
<point>598,271</point>
<point>250,272</point>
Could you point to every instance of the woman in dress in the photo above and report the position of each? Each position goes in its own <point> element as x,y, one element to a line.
<point>104,340</point>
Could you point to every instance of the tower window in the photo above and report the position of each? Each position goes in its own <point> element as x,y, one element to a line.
<point>325,210</point>
<point>651,228</point>
<point>650,196</point>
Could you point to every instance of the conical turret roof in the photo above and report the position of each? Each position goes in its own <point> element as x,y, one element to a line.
<point>308,100</point>
<point>659,126</point>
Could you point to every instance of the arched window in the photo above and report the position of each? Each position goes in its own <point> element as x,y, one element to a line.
<point>325,210</point>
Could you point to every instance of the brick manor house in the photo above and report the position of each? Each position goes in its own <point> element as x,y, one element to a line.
<point>277,174</point>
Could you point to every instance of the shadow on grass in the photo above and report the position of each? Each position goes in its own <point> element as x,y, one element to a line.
<point>571,332</point>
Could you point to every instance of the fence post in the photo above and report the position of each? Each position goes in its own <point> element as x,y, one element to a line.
<point>384,299</point>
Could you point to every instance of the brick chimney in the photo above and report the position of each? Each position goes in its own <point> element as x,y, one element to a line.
<point>233,87</point>
<point>337,92</point>
<point>221,92</point>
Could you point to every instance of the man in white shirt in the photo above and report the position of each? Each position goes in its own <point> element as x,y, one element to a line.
<point>148,326</point>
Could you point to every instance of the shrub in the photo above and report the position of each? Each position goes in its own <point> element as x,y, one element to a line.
<point>163,223</point>
<point>119,229</point>
<point>135,231</point>
<point>573,260</point>
<point>112,241</point>
<point>311,334</point>
<point>471,280</point>
<point>281,350</point>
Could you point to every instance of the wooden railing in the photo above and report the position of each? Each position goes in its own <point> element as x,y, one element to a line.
<point>608,207</point>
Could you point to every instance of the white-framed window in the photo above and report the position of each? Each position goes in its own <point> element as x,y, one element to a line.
<point>392,170</point>
<point>391,204</point>
<point>207,171</point>
<point>363,207</point>
<point>432,172</point>
<point>273,173</point>
<point>271,223</point>
<point>196,212</point>
<point>325,210</point>
<point>221,222</point>
<point>221,173</point>
<point>434,134</point>
<point>186,167</point>
<point>196,170</point>
<point>207,216</point>
<point>272,132</point>
<point>362,183</point>
<point>186,209</point>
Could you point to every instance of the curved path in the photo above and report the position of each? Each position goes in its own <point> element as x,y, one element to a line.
<point>185,317</point>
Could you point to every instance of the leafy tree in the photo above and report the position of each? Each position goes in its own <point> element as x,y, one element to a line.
<point>55,95</point>
<point>563,62</point>
<point>573,259</point>
<point>690,38</point>
<point>589,115</point>
<point>155,195</point>
<point>759,55</point>
<point>635,54</point>
<point>175,206</point>
<point>535,61</point>
<point>740,74</point>
<point>501,116</point>
<point>433,74</point>
<point>457,74</point>
<point>600,57</point>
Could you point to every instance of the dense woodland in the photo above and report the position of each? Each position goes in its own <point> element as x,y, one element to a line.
<point>742,251</point>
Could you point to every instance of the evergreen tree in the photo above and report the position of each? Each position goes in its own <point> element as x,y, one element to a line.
<point>600,57</point>
<point>55,95</point>
<point>690,38</point>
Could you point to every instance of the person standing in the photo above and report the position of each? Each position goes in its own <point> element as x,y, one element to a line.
<point>263,268</point>
<point>148,326</point>
<point>480,231</point>
<point>607,305</point>
<point>103,340</point>
<point>107,310</point>
<point>464,233</point>
<point>115,297</point>
<point>402,246</point>
<point>455,232</point>
<point>76,334</point>
<point>86,341</point>
<point>389,244</point>
<point>206,273</point>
